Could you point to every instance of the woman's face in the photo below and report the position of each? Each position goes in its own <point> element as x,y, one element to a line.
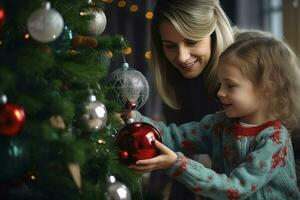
<point>187,56</point>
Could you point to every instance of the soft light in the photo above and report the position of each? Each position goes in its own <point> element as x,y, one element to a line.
<point>149,15</point>
<point>109,54</point>
<point>127,50</point>
<point>133,8</point>
<point>26,36</point>
<point>148,54</point>
<point>121,4</point>
<point>107,1</point>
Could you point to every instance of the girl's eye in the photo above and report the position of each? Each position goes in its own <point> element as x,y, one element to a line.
<point>230,86</point>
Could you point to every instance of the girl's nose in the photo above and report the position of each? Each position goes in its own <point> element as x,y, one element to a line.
<point>221,92</point>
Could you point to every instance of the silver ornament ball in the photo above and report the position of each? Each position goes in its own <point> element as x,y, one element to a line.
<point>130,87</point>
<point>116,190</point>
<point>45,24</point>
<point>97,23</point>
<point>94,114</point>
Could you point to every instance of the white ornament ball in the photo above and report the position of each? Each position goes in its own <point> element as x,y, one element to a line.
<point>116,190</point>
<point>45,24</point>
<point>97,23</point>
<point>94,114</point>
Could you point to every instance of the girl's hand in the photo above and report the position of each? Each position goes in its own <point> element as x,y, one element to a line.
<point>163,161</point>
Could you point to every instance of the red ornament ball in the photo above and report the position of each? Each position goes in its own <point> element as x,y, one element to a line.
<point>136,142</point>
<point>2,16</point>
<point>12,119</point>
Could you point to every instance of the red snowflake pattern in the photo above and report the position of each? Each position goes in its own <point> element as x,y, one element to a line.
<point>206,126</point>
<point>233,194</point>
<point>276,159</point>
<point>182,162</point>
<point>253,188</point>
<point>187,145</point>
<point>250,158</point>
<point>210,178</point>
<point>242,183</point>
<point>276,136</point>
<point>284,155</point>
<point>197,189</point>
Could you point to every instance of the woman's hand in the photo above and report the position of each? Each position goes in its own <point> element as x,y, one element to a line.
<point>124,117</point>
<point>165,160</point>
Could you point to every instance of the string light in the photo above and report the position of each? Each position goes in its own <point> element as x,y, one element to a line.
<point>26,36</point>
<point>148,54</point>
<point>107,1</point>
<point>127,51</point>
<point>32,177</point>
<point>149,15</point>
<point>133,8</point>
<point>101,141</point>
<point>109,54</point>
<point>121,3</point>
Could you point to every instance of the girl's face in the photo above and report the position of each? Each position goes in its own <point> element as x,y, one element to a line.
<point>239,97</point>
<point>187,56</point>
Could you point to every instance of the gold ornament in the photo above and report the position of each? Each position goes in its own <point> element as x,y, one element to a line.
<point>74,170</point>
<point>84,41</point>
<point>109,54</point>
<point>57,122</point>
<point>127,51</point>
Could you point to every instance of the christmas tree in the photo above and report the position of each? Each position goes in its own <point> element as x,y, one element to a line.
<point>57,127</point>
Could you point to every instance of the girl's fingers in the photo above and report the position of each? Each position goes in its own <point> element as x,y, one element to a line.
<point>150,161</point>
<point>163,149</point>
<point>142,167</point>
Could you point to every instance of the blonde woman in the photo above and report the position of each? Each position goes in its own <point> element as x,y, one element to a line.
<point>187,38</point>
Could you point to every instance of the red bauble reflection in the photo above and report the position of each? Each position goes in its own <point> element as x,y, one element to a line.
<point>136,142</point>
<point>2,16</point>
<point>12,119</point>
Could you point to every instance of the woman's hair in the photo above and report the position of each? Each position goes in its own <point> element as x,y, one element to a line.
<point>195,20</point>
<point>273,68</point>
<point>246,34</point>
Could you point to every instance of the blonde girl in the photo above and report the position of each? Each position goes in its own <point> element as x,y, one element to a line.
<point>249,141</point>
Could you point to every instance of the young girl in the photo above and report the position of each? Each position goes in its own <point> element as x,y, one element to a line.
<point>248,142</point>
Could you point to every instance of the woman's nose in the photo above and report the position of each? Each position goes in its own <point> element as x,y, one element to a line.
<point>183,54</point>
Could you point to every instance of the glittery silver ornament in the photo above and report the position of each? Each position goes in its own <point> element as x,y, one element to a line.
<point>116,190</point>
<point>130,87</point>
<point>45,24</point>
<point>94,114</point>
<point>97,22</point>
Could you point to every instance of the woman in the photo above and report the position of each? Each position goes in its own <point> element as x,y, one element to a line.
<point>187,39</point>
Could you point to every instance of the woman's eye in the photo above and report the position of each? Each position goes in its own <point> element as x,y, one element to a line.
<point>169,46</point>
<point>191,42</point>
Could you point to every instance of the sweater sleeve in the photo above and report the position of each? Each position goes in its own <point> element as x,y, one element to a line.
<point>262,164</point>
<point>189,138</point>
